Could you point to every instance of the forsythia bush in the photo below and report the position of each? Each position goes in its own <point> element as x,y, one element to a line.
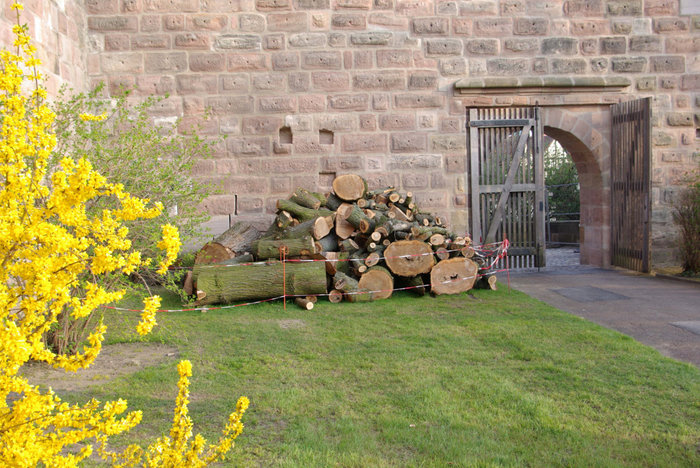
<point>48,241</point>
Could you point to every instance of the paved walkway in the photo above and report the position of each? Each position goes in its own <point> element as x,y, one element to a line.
<point>662,313</point>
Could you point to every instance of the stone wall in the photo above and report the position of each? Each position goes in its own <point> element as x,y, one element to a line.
<point>58,29</point>
<point>306,89</point>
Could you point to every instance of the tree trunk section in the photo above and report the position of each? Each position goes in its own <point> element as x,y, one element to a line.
<point>259,281</point>
<point>213,252</point>
<point>239,237</point>
<point>304,303</point>
<point>379,281</point>
<point>409,257</point>
<point>270,248</point>
<point>453,276</point>
<point>349,187</point>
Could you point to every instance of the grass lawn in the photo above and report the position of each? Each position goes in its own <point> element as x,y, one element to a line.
<point>489,379</point>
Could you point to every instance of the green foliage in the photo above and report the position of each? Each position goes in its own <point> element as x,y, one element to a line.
<point>687,216</point>
<point>119,137</point>
<point>561,179</point>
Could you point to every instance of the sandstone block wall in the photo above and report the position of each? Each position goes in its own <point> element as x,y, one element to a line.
<point>58,28</point>
<point>307,89</point>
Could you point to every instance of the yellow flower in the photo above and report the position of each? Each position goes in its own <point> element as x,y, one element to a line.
<point>85,117</point>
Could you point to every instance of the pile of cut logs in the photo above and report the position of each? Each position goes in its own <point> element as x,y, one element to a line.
<point>352,244</point>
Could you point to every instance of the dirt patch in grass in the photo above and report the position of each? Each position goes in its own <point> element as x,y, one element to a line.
<point>291,324</point>
<point>114,361</point>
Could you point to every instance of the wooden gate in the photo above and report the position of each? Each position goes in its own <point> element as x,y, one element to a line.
<point>507,181</point>
<point>630,174</point>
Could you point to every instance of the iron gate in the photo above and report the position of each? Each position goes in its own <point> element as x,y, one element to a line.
<point>507,181</point>
<point>630,173</point>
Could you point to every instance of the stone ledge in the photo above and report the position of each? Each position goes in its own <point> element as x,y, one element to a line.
<point>541,85</point>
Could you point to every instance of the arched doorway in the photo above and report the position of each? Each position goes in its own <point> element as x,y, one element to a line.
<point>562,206</point>
<point>594,224</point>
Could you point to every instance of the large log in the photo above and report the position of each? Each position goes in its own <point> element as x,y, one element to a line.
<point>213,252</point>
<point>378,281</point>
<point>349,187</point>
<point>301,212</point>
<point>238,237</point>
<point>453,276</point>
<point>308,199</point>
<point>259,281</point>
<point>270,248</point>
<point>316,228</point>
<point>409,257</point>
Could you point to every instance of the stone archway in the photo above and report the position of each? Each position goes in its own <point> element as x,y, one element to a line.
<point>585,134</point>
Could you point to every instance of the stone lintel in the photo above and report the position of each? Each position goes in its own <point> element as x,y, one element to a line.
<point>541,85</point>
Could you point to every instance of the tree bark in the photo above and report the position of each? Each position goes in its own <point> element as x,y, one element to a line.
<point>238,237</point>
<point>304,303</point>
<point>259,281</point>
<point>301,212</point>
<point>453,276</point>
<point>270,248</point>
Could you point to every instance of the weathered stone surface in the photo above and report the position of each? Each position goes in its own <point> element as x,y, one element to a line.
<point>285,61</point>
<point>349,21</point>
<point>371,38</point>
<point>321,60</point>
<point>645,44</point>
<point>414,101</point>
<point>230,104</point>
<point>282,104</point>
<point>530,26</point>
<point>670,25</point>
<point>408,142</point>
<point>414,162</point>
<point>394,58</point>
<point>680,119</point>
<point>452,66</point>
<point>443,46</point>
<point>690,82</point>
<point>238,41</point>
<point>430,26</point>
<point>667,64</point>
<point>268,81</point>
<point>507,66</point>
<point>493,27</point>
<point>207,62</point>
<point>447,143</point>
<point>577,8</point>
<point>364,143</point>
<point>629,64</point>
<point>349,102</point>
<point>559,46</point>
<point>568,66</point>
<point>248,146</point>
<point>113,23</point>
<point>613,45</point>
<point>422,80</point>
<point>522,45</point>
<point>624,7</point>
<point>288,22</point>
<point>379,81</point>
<point>307,40</point>
<point>246,62</point>
<point>590,27</point>
<point>331,81</point>
<point>482,46</point>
